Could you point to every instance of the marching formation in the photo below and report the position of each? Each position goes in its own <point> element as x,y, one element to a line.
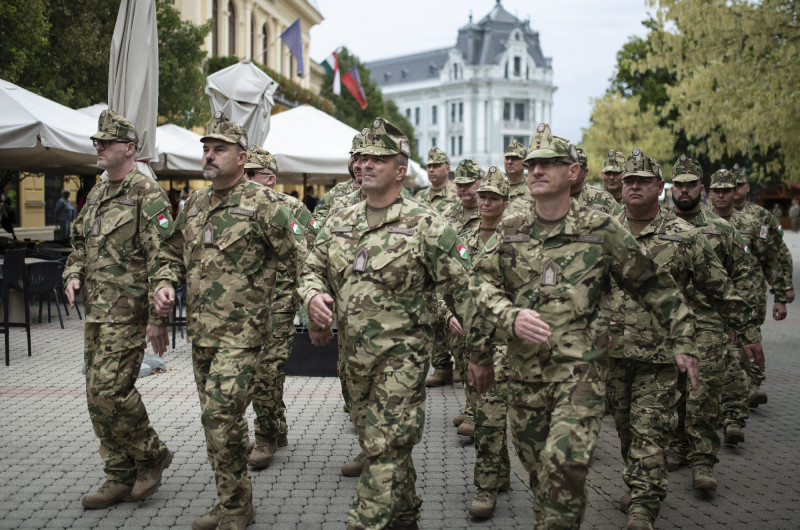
<point>553,302</point>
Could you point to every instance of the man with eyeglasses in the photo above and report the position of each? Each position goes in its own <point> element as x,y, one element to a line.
<point>270,424</point>
<point>543,279</point>
<point>116,239</point>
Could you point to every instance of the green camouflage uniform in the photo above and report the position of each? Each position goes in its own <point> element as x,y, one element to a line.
<point>598,199</point>
<point>643,378</point>
<point>520,199</point>
<point>227,255</point>
<point>614,163</point>
<point>556,389</point>
<point>333,200</point>
<point>382,279</point>
<point>116,237</point>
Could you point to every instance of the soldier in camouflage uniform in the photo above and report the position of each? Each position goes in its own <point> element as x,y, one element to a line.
<point>115,240</point>
<point>335,198</point>
<point>380,262</point>
<point>270,423</point>
<point>542,280</point>
<point>520,199</point>
<point>613,166</point>
<point>643,378</point>
<point>591,196</point>
<point>226,247</point>
<point>696,437</point>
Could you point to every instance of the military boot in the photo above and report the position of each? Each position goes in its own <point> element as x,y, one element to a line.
<point>467,428</point>
<point>458,420</point>
<point>147,482</point>
<point>210,520</point>
<point>237,522</point>
<point>757,397</point>
<point>261,455</point>
<point>283,441</point>
<point>439,378</point>
<point>354,467</point>
<point>704,478</point>
<point>639,521</point>
<point>733,434</point>
<point>675,460</point>
<point>483,503</point>
<point>625,501</point>
<point>107,495</point>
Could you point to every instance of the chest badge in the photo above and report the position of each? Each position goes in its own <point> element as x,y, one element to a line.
<point>96,227</point>
<point>550,273</point>
<point>360,263</point>
<point>764,233</point>
<point>208,234</point>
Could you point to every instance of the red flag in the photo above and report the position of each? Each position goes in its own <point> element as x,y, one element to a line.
<point>352,81</point>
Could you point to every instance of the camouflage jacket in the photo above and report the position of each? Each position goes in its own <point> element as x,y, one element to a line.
<point>440,200</point>
<point>455,216</point>
<point>382,309</point>
<point>565,275</point>
<point>520,199</point>
<point>116,240</point>
<point>784,265</point>
<point>729,248</point>
<point>284,301</point>
<point>227,256</point>
<point>687,254</point>
<point>333,199</point>
<point>598,199</point>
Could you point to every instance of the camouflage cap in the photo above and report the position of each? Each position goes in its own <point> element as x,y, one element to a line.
<point>686,169</point>
<point>641,165</point>
<point>258,158</point>
<point>437,156</point>
<point>221,128</point>
<point>722,179</point>
<point>614,162</point>
<point>467,172</point>
<point>582,160</point>
<point>545,145</point>
<point>515,148</point>
<point>495,181</point>
<point>358,143</point>
<point>114,126</point>
<point>384,138</point>
<point>739,175</point>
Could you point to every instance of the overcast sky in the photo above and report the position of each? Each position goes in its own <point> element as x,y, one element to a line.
<point>582,37</point>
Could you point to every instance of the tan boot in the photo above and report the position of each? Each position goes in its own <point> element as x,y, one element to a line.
<point>283,441</point>
<point>237,522</point>
<point>639,521</point>
<point>675,460</point>
<point>757,397</point>
<point>354,467</point>
<point>261,455</point>
<point>483,503</point>
<point>439,378</point>
<point>704,478</point>
<point>110,493</point>
<point>467,428</point>
<point>147,482</point>
<point>209,521</point>
<point>733,434</point>
<point>458,420</point>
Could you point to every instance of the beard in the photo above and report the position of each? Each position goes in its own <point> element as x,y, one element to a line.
<point>210,172</point>
<point>686,204</point>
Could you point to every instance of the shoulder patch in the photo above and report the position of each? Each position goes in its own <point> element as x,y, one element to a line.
<point>670,237</point>
<point>447,239</point>
<point>156,207</point>
<point>516,238</point>
<point>764,232</point>
<point>586,238</point>
<point>400,230</point>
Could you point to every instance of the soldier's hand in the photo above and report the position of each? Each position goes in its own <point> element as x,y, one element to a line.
<point>320,338</point>
<point>530,327</point>
<point>158,338</point>
<point>688,364</point>
<point>481,377</point>
<point>73,286</point>
<point>164,300</point>
<point>790,296</point>
<point>755,353</point>
<point>455,327</point>
<point>319,310</point>
<point>778,310</point>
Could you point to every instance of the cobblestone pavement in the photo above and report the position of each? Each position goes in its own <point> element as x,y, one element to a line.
<point>48,452</point>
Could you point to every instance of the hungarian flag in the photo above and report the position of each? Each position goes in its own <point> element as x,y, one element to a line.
<point>352,81</point>
<point>331,65</point>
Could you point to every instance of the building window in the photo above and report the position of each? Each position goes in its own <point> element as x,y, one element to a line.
<point>215,30</point>
<point>506,71</point>
<point>515,110</point>
<point>434,114</point>
<point>519,111</point>
<point>253,41</point>
<point>507,111</point>
<point>452,112</point>
<point>455,71</point>
<point>460,145</point>
<point>416,115</point>
<point>433,142</point>
<point>460,113</point>
<point>408,114</point>
<point>231,29</point>
<point>453,145</point>
<point>264,44</point>
<point>517,66</point>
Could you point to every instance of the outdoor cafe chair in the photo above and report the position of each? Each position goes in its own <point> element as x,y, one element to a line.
<point>15,277</point>
<point>44,279</point>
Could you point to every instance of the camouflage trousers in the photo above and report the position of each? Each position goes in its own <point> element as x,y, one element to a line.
<point>440,352</point>
<point>461,355</point>
<point>642,398</point>
<point>698,411</point>
<point>492,464</point>
<point>270,423</point>
<point>389,411</point>
<point>735,388</point>
<point>225,384</point>
<point>555,428</point>
<point>113,354</point>
<point>344,351</point>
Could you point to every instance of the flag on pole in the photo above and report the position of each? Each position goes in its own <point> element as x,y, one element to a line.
<point>293,39</point>
<point>352,81</point>
<point>331,65</point>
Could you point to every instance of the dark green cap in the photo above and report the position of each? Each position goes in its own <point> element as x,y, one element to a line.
<point>384,138</point>
<point>515,148</point>
<point>258,158</point>
<point>467,172</point>
<point>614,162</point>
<point>686,169</point>
<point>221,128</point>
<point>114,126</point>
<point>545,145</point>
<point>495,181</point>
<point>437,156</point>
<point>722,179</point>
<point>641,165</point>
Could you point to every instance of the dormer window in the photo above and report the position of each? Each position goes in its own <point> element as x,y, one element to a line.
<point>387,76</point>
<point>517,66</point>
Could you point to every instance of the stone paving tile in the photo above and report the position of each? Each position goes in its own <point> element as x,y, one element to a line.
<point>48,452</point>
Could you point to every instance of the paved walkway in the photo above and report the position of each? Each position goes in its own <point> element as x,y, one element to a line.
<point>48,452</point>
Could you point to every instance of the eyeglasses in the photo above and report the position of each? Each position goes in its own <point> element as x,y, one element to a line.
<point>105,144</point>
<point>252,173</point>
<point>546,163</point>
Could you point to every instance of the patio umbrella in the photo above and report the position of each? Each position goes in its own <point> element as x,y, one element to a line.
<point>133,73</point>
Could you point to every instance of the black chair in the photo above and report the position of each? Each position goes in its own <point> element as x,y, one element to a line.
<point>44,279</point>
<point>178,318</point>
<point>15,277</point>
<point>43,250</point>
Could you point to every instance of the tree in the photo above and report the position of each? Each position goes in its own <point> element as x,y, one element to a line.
<point>25,26</point>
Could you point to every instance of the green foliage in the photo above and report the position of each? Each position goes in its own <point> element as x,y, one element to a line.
<point>25,25</point>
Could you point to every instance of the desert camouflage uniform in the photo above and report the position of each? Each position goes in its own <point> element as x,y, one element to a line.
<point>765,218</point>
<point>520,199</point>
<point>335,198</point>
<point>227,254</point>
<point>598,199</point>
<point>440,200</point>
<point>116,239</point>
<point>556,389</point>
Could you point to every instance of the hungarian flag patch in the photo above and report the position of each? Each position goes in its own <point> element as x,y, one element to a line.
<point>295,228</point>
<point>163,222</point>
<point>462,251</point>
<point>745,248</point>
<point>314,224</point>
